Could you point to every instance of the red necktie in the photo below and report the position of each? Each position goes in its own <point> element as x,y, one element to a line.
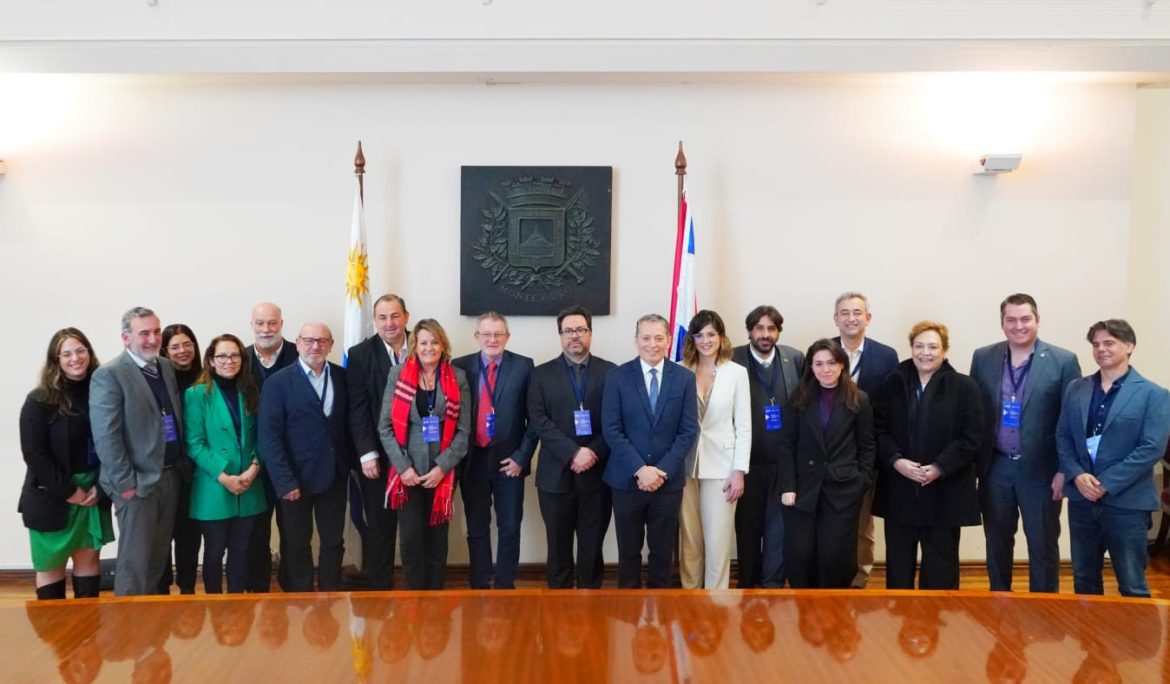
<point>485,407</point>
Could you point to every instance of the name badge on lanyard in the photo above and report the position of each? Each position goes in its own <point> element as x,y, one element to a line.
<point>489,427</point>
<point>772,421</point>
<point>582,423</point>
<point>430,429</point>
<point>1091,444</point>
<point>1011,414</point>
<point>169,428</point>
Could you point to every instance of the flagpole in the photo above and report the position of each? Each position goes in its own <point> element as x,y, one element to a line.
<point>359,170</point>
<point>680,170</point>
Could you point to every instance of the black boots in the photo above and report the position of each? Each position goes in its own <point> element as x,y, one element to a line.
<point>56,590</point>
<point>87,587</point>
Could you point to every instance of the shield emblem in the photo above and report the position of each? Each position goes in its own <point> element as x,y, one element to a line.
<point>536,236</point>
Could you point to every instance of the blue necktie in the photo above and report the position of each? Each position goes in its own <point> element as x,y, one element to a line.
<point>653,389</point>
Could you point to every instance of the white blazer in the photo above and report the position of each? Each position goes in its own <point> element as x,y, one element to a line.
<point>725,432</point>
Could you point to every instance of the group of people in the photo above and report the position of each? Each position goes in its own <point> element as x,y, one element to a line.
<point>788,455</point>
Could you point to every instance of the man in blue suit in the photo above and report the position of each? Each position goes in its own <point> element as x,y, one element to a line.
<point>1113,429</point>
<point>870,362</point>
<point>305,444</point>
<point>649,415</point>
<point>501,453</point>
<point>1022,380</point>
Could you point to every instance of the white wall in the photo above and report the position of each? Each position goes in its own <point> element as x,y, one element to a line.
<point>201,197</point>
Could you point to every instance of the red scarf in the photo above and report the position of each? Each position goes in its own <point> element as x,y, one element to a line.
<point>404,394</point>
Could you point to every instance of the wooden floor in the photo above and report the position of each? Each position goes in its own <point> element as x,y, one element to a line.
<point>533,635</point>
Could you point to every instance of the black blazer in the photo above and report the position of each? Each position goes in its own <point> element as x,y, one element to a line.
<point>45,438</point>
<point>287,357</point>
<point>367,366</point>
<point>766,446</point>
<point>513,438</point>
<point>551,403</point>
<point>877,361</point>
<point>947,431</point>
<point>836,461</point>
<point>300,446</point>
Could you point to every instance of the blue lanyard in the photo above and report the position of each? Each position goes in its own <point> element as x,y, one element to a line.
<point>325,389</point>
<point>1017,382</point>
<point>578,392</point>
<point>768,383</point>
<point>432,393</point>
<point>491,385</point>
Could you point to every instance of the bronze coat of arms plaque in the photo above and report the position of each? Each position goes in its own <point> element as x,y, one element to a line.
<point>535,239</point>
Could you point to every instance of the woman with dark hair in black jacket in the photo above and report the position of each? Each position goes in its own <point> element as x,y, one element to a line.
<point>928,419</point>
<point>64,510</point>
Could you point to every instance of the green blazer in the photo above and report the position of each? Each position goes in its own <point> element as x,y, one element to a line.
<point>212,445</point>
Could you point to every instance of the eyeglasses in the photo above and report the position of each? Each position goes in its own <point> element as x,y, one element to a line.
<point>228,358</point>
<point>574,332</point>
<point>80,352</point>
<point>492,335</point>
<point>316,341</point>
<point>180,346</point>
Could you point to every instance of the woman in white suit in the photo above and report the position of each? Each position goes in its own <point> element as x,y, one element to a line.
<point>716,466</point>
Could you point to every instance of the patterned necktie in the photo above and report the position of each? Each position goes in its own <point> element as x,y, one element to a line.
<point>485,407</point>
<point>653,389</point>
<point>151,369</point>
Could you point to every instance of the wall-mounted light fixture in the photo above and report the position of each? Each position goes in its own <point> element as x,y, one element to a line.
<point>991,164</point>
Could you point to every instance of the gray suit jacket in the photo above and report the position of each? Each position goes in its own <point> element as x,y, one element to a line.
<point>1053,368</point>
<point>1132,440</point>
<point>419,454</point>
<point>127,427</point>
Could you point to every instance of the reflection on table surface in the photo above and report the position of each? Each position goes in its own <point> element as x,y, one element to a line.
<point>600,636</point>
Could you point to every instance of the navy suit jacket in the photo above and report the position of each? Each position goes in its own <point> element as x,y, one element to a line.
<point>877,361</point>
<point>637,436</point>
<point>299,445</point>
<point>1133,439</point>
<point>1052,370</point>
<point>513,438</point>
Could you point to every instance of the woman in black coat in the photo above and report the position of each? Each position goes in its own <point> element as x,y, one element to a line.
<point>61,505</point>
<point>928,419</point>
<point>826,465</point>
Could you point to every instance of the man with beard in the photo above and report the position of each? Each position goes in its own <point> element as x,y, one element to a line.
<point>773,372</point>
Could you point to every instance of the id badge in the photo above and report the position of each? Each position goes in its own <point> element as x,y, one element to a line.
<point>1011,414</point>
<point>1091,443</point>
<point>169,427</point>
<point>489,427</point>
<point>772,420</point>
<point>430,427</point>
<point>582,423</point>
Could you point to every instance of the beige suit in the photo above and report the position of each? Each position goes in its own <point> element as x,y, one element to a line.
<point>707,521</point>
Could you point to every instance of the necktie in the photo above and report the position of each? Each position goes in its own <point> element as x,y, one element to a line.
<point>485,406</point>
<point>653,389</point>
<point>151,369</point>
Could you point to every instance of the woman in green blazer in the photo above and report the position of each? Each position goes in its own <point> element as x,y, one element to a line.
<point>219,412</point>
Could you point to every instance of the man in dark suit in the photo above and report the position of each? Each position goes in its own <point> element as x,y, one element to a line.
<point>367,365</point>
<point>135,414</point>
<point>270,353</point>
<point>1113,428</point>
<point>564,407</point>
<point>501,452</point>
<point>1022,380</point>
<point>650,421</point>
<point>773,372</point>
<point>870,362</point>
<point>306,448</point>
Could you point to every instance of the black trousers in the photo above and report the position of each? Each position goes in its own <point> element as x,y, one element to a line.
<point>381,528</point>
<point>645,517</point>
<point>187,537</point>
<point>581,514</point>
<point>820,548</point>
<point>230,535</point>
<point>327,508</point>
<point>940,556</point>
<point>423,547</point>
<point>750,514</point>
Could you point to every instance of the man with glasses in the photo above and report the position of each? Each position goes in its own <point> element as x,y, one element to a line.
<point>500,454</point>
<point>564,406</point>
<point>305,444</point>
<point>368,363</point>
<point>135,415</point>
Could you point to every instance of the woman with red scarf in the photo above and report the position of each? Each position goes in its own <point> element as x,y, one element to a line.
<point>425,434</point>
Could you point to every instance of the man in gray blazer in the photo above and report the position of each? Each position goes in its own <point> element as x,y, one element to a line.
<point>136,417</point>
<point>1022,380</point>
<point>1113,429</point>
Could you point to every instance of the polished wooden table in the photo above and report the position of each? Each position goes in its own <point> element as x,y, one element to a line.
<point>601,636</point>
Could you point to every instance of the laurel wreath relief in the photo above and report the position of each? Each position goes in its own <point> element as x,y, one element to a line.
<point>581,249</point>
